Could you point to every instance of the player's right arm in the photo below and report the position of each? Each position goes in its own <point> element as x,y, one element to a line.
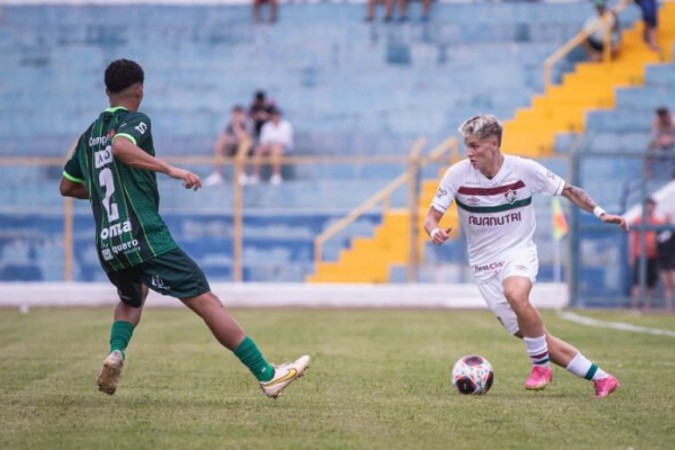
<point>441,202</point>
<point>72,182</point>
<point>127,152</point>
<point>432,226</point>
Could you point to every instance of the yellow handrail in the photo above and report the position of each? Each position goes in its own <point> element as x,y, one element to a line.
<point>383,194</point>
<point>578,39</point>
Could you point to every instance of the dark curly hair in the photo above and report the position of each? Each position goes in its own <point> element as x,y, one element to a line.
<point>121,74</point>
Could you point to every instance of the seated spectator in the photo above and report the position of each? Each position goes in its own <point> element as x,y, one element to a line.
<point>663,130</point>
<point>276,140</point>
<point>594,45</point>
<point>260,111</point>
<point>236,137</point>
<point>271,5</point>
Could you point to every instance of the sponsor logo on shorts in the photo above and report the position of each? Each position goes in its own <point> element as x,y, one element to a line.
<point>490,266</point>
<point>158,282</point>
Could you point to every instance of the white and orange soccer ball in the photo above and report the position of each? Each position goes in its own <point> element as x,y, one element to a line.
<point>472,375</point>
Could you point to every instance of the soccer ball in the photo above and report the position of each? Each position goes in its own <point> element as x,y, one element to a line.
<point>472,375</point>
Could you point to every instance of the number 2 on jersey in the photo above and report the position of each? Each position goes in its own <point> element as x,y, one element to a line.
<point>105,178</point>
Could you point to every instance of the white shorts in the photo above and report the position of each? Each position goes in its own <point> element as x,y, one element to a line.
<point>524,264</point>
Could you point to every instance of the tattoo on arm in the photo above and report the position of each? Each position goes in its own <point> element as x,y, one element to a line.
<point>579,197</point>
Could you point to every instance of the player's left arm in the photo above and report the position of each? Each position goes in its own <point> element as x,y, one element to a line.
<point>584,201</point>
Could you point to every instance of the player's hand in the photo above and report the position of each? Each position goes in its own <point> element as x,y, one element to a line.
<point>619,220</point>
<point>190,180</point>
<point>439,235</point>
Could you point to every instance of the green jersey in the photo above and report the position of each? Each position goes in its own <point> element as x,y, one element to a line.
<point>124,199</point>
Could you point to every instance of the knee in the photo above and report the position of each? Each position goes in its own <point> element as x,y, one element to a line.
<point>203,304</point>
<point>516,298</point>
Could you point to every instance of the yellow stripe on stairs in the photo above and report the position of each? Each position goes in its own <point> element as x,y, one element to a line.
<point>562,108</point>
<point>369,258</point>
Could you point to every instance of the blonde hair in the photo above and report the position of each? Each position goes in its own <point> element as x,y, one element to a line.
<point>483,126</point>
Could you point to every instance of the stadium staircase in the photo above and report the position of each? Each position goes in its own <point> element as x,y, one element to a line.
<point>369,259</point>
<point>562,108</point>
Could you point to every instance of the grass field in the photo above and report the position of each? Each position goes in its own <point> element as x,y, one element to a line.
<point>379,379</point>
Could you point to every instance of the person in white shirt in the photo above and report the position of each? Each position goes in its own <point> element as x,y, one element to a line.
<point>276,140</point>
<point>493,192</point>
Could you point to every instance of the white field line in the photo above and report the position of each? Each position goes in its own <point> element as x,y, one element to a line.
<point>573,317</point>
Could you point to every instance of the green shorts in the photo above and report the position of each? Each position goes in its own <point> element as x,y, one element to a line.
<point>172,273</point>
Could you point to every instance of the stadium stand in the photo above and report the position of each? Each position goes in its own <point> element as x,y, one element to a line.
<point>353,89</point>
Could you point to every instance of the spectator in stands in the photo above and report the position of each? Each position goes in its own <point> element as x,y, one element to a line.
<point>276,140</point>
<point>635,254</point>
<point>115,168</point>
<point>388,9</point>
<point>271,5</point>
<point>236,139</point>
<point>660,157</point>
<point>665,247</point>
<point>259,112</point>
<point>649,16</point>
<point>663,130</point>
<point>595,43</point>
<point>403,10</point>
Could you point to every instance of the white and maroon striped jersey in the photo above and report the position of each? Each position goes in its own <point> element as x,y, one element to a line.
<point>497,214</point>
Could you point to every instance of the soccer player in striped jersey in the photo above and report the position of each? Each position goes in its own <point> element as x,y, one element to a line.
<point>114,166</point>
<point>493,192</point>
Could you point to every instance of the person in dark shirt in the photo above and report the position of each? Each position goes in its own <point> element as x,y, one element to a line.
<point>260,112</point>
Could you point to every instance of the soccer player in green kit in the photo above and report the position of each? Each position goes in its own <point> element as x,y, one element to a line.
<point>113,165</point>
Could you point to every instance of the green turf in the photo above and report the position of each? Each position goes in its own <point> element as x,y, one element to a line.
<point>379,379</point>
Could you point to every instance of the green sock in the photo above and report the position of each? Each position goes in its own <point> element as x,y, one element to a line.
<point>120,335</point>
<point>249,354</point>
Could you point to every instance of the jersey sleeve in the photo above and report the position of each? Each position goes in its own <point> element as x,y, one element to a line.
<point>72,170</point>
<point>136,127</point>
<point>446,190</point>
<point>539,179</point>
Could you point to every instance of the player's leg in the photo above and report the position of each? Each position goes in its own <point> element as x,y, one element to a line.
<point>670,281</point>
<point>567,356</point>
<point>260,151</point>
<point>531,327</point>
<point>277,151</point>
<point>127,315</point>
<point>652,280</point>
<point>182,278</point>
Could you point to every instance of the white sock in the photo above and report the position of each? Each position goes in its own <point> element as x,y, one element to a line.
<point>538,351</point>
<point>584,368</point>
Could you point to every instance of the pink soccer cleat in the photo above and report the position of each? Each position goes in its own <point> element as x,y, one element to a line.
<point>605,386</point>
<point>539,378</point>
